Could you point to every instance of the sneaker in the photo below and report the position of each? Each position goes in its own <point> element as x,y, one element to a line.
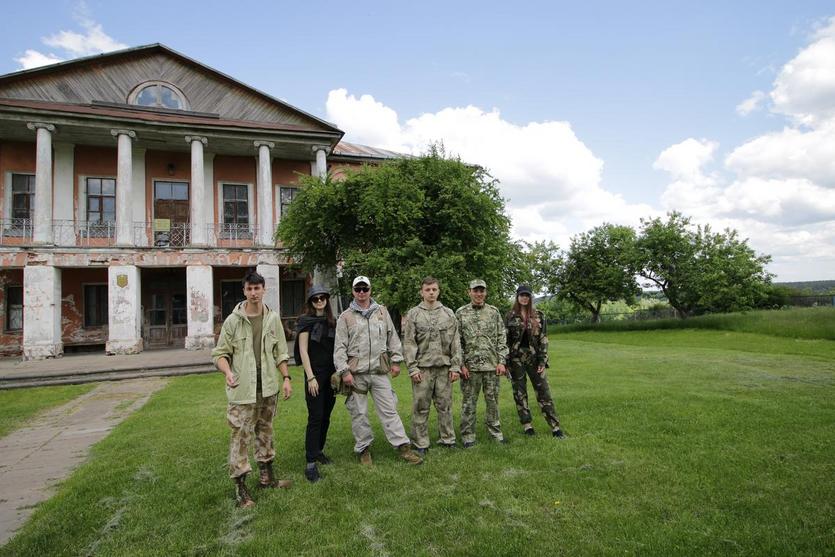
<point>558,434</point>
<point>311,472</point>
<point>469,444</point>
<point>410,456</point>
<point>529,431</point>
<point>323,459</point>
<point>365,457</point>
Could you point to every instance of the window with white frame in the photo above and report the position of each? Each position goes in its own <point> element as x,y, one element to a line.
<point>100,212</point>
<point>157,94</point>
<point>286,194</point>
<point>23,196</point>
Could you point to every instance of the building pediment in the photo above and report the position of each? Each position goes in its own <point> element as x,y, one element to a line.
<point>157,77</point>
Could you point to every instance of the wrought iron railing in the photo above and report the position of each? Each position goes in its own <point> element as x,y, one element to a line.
<point>221,233</point>
<point>15,230</point>
<point>83,233</point>
<point>173,235</point>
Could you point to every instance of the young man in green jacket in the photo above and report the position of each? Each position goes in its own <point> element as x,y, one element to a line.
<point>252,352</point>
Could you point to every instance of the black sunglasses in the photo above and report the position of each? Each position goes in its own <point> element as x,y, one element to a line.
<point>361,289</point>
<point>316,299</point>
<point>479,289</point>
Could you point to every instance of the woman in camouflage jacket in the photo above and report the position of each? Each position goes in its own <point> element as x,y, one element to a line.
<point>527,341</point>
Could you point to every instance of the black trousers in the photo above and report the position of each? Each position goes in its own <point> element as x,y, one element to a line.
<point>319,410</point>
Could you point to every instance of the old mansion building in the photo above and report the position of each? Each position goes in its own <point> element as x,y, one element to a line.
<point>137,187</point>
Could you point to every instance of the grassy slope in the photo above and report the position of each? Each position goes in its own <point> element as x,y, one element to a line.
<point>705,448</point>
<point>18,405</point>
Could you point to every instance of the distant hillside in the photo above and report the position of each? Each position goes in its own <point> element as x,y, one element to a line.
<point>812,286</point>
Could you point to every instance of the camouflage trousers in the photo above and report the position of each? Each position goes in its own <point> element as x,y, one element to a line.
<point>470,388</point>
<point>522,365</point>
<point>246,420</point>
<point>434,386</point>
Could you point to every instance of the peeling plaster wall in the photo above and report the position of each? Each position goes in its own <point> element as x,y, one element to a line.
<point>72,307</point>
<point>11,342</point>
<point>102,257</point>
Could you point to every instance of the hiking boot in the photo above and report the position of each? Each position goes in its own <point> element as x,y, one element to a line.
<point>559,434</point>
<point>266,477</point>
<point>365,457</point>
<point>421,452</point>
<point>529,431</point>
<point>502,441</point>
<point>409,455</point>
<point>311,472</point>
<point>469,444</point>
<point>446,445</point>
<point>242,496</point>
<point>323,459</point>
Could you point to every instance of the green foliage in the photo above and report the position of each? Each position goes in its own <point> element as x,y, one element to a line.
<point>403,220</point>
<point>700,271</point>
<point>600,266</point>
<point>19,405</point>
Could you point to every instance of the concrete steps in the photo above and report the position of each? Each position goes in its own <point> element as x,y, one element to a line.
<point>91,376</point>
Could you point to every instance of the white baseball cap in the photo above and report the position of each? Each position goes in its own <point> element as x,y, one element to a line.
<point>360,279</point>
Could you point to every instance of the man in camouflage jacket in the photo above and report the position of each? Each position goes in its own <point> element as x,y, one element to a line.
<point>432,350</point>
<point>484,351</point>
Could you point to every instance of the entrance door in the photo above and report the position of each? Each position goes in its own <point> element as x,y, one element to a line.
<point>171,214</point>
<point>165,320</point>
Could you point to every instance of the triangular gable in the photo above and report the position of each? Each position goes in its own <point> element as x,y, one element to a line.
<point>110,78</point>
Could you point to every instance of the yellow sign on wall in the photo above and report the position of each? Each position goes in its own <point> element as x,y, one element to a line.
<point>121,281</point>
<point>162,225</point>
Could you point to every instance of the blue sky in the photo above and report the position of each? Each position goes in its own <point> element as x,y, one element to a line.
<point>587,112</point>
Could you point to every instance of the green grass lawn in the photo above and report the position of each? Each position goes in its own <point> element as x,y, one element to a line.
<point>681,443</point>
<point>19,405</point>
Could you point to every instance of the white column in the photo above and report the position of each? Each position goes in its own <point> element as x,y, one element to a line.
<point>209,177</point>
<point>124,306</point>
<point>138,235</point>
<point>42,312</point>
<point>198,191</point>
<point>200,288</point>
<point>63,192</point>
<point>264,185</point>
<point>321,161</point>
<point>272,287</point>
<point>124,186</point>
<point>43,183</point>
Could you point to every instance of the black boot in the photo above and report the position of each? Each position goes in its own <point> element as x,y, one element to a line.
<point>266,477</point>
<point>242,496</point>
<point>311,472</point>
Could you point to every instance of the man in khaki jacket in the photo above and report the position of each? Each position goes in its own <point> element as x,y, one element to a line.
<point>250,352</point>
<point>366,350</point>
<point>433,357</point>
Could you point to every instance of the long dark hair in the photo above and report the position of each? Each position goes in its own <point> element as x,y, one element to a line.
<point>518,309</point>
<point>311,311</point>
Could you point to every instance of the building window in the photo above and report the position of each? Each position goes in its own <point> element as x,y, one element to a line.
<point>14,308</point>
<point>292,297</point>
<point>287,194</point>
<point>158,95</point>
<point>101,206</point>
<point>235,204</point>
<point>95,305</point>
<point>23,196</point>
<point>231,294</point>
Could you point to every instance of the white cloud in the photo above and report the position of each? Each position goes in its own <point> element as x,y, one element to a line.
<point>685,160</point>
<point>752,103</point>
<point>550,178</point>
<point>93,40</point>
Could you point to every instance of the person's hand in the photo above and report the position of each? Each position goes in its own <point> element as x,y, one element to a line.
<point>348,379</point>
<point>465,373</point>
<point>416,378</point>
<point>287,389</point>
<point>501,370</point>
<point>540,369</point>
<point>313,387</point>
<point>231,382</point>
<point>453,376</point>
<point>395,370</point>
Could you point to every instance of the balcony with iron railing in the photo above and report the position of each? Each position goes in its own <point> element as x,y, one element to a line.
<point>155,234</point>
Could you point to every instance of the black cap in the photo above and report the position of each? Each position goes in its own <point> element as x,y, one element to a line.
<point>524,289</point>
<point>317,289</point>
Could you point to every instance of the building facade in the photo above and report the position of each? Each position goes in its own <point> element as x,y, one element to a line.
<point>137,187</point>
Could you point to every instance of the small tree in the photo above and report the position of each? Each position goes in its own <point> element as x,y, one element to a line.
<point>401,221</point>
<point>600,266</point>
<point>699,270</point>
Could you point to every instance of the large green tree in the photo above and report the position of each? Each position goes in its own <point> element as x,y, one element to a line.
<point>403,220</point>
<point>600,266</point>
<point>700,270</point>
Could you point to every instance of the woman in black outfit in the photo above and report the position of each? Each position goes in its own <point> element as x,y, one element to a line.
<point>314,350</point>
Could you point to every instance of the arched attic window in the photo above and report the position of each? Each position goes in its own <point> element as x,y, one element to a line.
<point>158,94</point>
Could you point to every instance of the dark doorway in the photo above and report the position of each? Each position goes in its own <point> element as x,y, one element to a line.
<point>165,308</point>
